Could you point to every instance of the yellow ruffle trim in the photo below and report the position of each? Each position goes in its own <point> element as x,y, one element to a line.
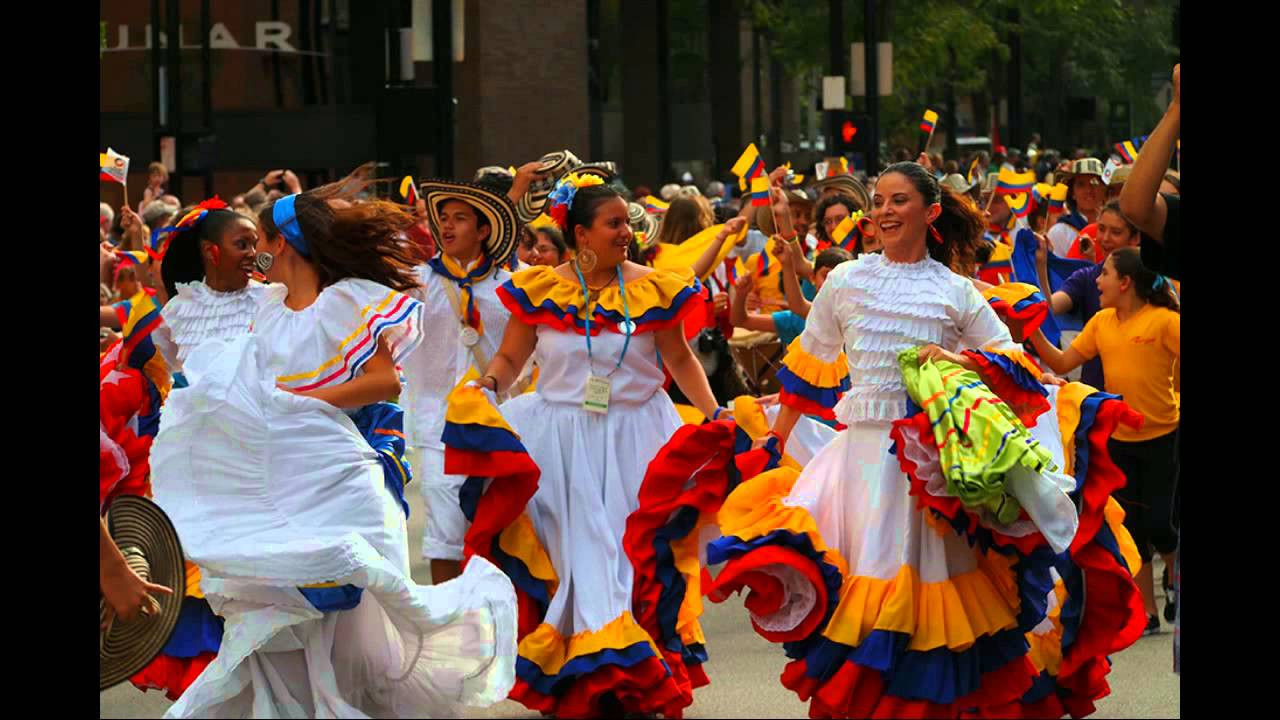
<point>1046,649</point>
<point>813,371</point>
<point>756,509</point>
<point>193,580</point>
<point>1020,358</point>
<point>468,405</point>
<point>952,613</point>
<point>1113,514</point>
<point>549,650</point>
<point>751,419</point>
<point>520,541</point>
<point>657,290</point>
<point>1010,292</point>
<point>690,415</point>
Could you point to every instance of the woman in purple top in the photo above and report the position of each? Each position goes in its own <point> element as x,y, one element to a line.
<point>1080,290</point>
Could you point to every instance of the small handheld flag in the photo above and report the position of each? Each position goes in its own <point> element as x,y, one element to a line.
<point>655,205</point>
<point>1009,182</point>
<point>749,165</point>
<point>113,167</point>
<point>1108,171</point>
<point>759,190</point>
<point>975,174</point>
<point>843,230</point>
<point>409,191</point>
<point>132,257</point>
<point>1129,148</point>
<point>929,122</point>
<point>1058,198</point>
<point>1020,204</point>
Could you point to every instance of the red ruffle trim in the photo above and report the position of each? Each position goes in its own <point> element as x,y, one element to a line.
<point>1026,404</point>
<point>645,687</point>
<point>170,674</point>
<point>858,692</point>
<point>1103,477</point>
<point>805,405</point>
<point>515,479</point>
<point>767,593</point>
<point>1113,620</point>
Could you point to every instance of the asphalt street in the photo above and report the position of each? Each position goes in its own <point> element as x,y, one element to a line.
<point>744,671</point>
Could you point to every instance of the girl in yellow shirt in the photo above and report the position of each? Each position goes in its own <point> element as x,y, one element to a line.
<point>1137,333</point>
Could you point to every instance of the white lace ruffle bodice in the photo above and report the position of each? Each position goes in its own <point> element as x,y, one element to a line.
<point>200,313</point>
<point>880,308</point>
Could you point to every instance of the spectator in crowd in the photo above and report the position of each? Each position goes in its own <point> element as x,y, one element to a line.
<point>157,180</point>
<point>106,219</point>
<point>715,193</point>
<point>549,247</point>
<point>1085,199</point>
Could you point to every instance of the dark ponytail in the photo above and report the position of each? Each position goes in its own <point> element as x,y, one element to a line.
<point>183,262</point>
<point>1150,286</point>
<point>582,211</point>
<point>960,224</point>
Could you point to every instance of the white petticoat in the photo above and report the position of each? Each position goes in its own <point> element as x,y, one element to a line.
<point>858,496</point>
<point>592,467</point>
<point>270,491</point>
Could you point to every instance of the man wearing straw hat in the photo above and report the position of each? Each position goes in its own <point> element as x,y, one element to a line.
<point>475,229</point>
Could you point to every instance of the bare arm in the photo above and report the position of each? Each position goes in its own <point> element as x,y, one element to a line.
<point>377,383</point>
<point>783,424</point>
<point>1140,199</point>
<point>518,342</point>
<point>523,179</point>
<point>738,314</point>
<point>733,229</point>
<point>791,256</point>
<point>1059,302</point>
<point>685,369</point>
<point>108,318</point>
<point>1061,362</point>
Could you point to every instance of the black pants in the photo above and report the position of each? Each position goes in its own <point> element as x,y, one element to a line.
<point>1151,473</point>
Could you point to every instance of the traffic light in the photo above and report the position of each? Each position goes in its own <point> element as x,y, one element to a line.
<point>849,130</point>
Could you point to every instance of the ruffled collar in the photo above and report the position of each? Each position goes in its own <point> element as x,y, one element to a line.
<point>540,295</point>
<point>199,291</point>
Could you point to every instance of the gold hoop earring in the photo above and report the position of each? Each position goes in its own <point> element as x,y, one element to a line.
<point>587,260</point>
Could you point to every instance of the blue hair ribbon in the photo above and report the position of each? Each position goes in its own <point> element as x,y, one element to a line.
<point>285,216</point>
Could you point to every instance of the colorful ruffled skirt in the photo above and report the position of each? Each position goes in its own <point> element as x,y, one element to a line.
<point>604,554</point>
<point>895,597</point>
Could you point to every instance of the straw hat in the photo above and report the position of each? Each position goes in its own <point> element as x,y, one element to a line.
<point>1083,166</point>
<point>556,165</point>
<point>642,221</point>
<point>150,545</point>
<point>848,185</point>
<point>957,182</point>
<point>1120,175</point>
<point>497,209</point>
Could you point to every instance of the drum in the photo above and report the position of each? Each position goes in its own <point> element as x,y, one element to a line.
<point>760,355</point>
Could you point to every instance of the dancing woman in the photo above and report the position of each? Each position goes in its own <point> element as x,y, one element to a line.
<point>296,520</point>
<point>595,327</point>
<point>903,567</point>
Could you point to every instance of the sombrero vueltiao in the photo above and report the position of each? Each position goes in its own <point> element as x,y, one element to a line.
<point>150,545</point>
<point>497,209</point>
<point>556,165</point>
<point>642,221</point>
<point>848,185</point>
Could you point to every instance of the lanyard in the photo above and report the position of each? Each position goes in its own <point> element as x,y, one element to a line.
<point>626,313</point>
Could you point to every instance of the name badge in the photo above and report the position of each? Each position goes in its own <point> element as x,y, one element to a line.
<point>596,397</point>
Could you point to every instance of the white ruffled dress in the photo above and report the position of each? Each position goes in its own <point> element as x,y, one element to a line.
<point>272,491</point>
<point>198,313</point>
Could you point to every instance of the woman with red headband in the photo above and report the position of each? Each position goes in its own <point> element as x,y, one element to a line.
<point>900,569</point>
<point>281,466</point>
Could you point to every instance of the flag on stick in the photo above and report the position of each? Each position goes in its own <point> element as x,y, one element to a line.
<point>1058,198</point>
<point>409,191</point>
<point>975,175</point>
<point>1009,182</point>
<point>749,165</point>
<point>113,167</point>
<point>929,122</point>
<point>655,205</point>
<point>759,190</point>
<point>132,257</point>
<point>1020,204</point>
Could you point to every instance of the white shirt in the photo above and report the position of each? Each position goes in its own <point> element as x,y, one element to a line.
<point>439,364</point>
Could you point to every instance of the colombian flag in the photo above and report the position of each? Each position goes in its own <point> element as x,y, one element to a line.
<point>999,267</point>
<point>409,191</point>
<point>655,205</point>
<point>749,165</point>
<point>132,257</point>
<point>1020,204</point>
<point>975,176</point>
<point>929,122</point>
<point>843,230</point>
<point>1013,183</point>
<point>1058,197</point>
<point>1129,148</point>
<point>143,316</point>
<point>112,166</point>
<point>759,190</point>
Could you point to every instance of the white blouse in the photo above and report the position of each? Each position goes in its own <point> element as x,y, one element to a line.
<point>874,309</point>
<point>198,313</point>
